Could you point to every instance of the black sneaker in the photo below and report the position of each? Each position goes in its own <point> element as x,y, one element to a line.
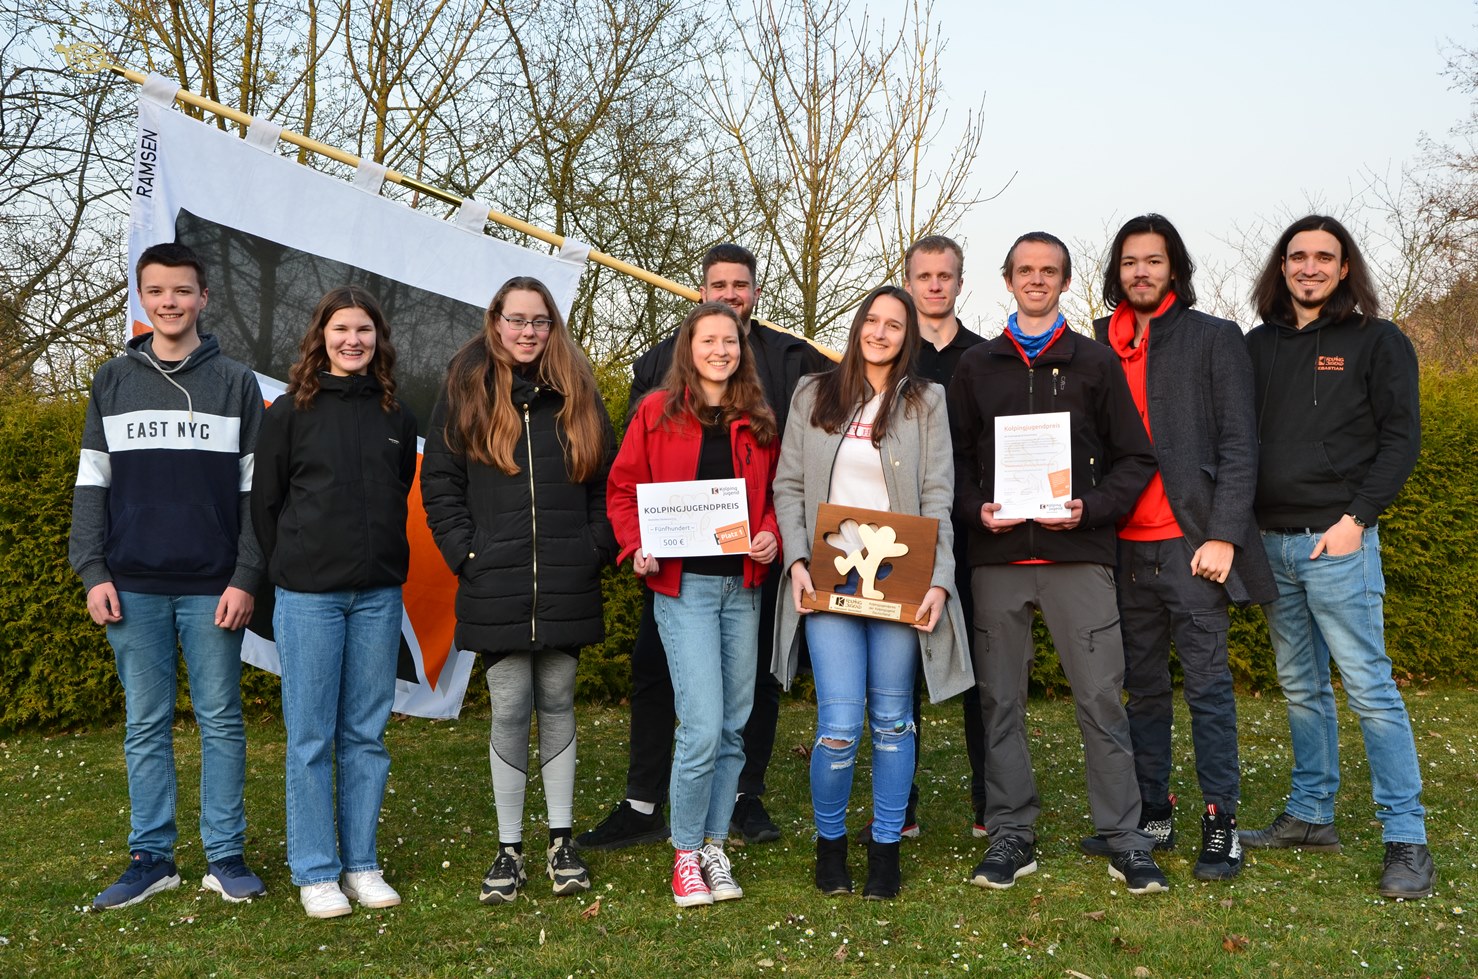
<point>751,821</point>
<point>1007,859</point>
<point>565,868</point>
<point>1138,870</point>
<point>1409,873</point>
<point>624,827</point>
<point>1221,851</point>
<point>1158,821</point>
<point>1290,832</point>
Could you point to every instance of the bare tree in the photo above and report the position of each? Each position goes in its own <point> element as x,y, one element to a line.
<point>829,120</point>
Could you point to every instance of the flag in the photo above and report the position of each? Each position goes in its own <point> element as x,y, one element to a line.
<point>274,237</point>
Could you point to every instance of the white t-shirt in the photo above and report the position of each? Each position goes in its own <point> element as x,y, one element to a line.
<point>857,473</point>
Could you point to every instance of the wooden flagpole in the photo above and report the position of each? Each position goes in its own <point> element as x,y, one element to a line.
<point>89,59</point>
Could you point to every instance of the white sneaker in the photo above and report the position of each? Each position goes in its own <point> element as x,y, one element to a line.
<point>718,873</point>
<point>324,900</point>
<point>368,887</point>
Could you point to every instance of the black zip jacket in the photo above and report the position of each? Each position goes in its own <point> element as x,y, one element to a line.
<point>527,548</point>
<point>1338,420</point>
<point>1112,457</point>
<point>328,498</point>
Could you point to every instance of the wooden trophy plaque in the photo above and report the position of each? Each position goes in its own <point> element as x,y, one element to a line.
<point>871,563</point>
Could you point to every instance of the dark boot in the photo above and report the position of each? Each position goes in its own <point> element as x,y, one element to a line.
<point>831,866</point>
<point>882,872</point>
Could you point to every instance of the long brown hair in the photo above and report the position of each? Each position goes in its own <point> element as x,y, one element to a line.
<point>839,393</point>
<point>1354,293</point>
<point>302,379</point>
<point>743,395</point>
<point>482,421</point>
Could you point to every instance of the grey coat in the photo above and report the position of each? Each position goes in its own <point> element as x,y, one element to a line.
<point>1201,418</point>
<point>918,466</point>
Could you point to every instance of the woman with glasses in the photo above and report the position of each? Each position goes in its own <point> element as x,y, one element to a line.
<point>514,483</point>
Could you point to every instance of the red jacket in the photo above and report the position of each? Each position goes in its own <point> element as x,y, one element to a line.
<point>652,453</point>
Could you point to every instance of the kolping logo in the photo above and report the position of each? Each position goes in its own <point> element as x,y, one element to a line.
<point>1330,364</point>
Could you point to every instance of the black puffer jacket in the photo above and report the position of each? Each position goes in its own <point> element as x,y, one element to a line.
<point>328,495</point>
<point>527,548</point>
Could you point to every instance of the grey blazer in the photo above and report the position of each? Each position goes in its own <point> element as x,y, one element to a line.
<point>1201,419</point>
<point>918,466</point>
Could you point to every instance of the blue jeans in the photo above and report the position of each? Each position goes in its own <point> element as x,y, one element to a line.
<point>338,653</point>
<point>145,643</point>
<point>711,633</point>
<point>859,661</point>
<point>1332,607</point>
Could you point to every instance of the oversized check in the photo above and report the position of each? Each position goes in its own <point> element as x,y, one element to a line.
<point>1034,465</point>
<point>693,518</point>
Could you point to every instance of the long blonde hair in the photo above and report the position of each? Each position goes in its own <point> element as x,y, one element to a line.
<point>482,422</point>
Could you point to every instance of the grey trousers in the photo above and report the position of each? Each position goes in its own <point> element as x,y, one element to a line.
<point>1079,604</point>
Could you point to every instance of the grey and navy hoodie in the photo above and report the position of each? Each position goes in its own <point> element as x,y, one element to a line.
<point>162,498</point>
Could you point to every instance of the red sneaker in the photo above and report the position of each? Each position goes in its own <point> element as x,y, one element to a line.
<point>688,886</point>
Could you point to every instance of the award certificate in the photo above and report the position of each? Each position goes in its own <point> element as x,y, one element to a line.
<point>693,518</point>
<point>1034,465</point>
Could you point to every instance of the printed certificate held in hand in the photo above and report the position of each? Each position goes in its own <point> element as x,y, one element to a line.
<point>693,518</point>
<point>1034,466</point>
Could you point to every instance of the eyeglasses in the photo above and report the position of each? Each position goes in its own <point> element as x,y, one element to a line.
<point>542,324</point>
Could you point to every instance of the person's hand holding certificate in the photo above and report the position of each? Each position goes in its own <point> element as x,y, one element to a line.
<point>1034,466</point>
<point>693,518</point>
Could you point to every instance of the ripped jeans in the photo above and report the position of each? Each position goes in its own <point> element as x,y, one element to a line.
<point>860,661</point>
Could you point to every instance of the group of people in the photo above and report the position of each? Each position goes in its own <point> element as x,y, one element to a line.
<point>1207,469</point>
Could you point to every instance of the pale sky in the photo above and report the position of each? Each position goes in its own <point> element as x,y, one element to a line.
<point>1217,115</point>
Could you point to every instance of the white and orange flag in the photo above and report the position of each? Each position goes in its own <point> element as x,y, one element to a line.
<point>274,236</point>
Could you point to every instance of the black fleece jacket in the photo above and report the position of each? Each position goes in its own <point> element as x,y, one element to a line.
<point>1112,456</point>
<point>1338,419</point>
<point>328,498</point>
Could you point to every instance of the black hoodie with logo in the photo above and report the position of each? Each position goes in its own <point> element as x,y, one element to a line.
<point>1338,419</point>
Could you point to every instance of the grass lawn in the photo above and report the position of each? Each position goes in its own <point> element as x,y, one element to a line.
<point>63,804</point>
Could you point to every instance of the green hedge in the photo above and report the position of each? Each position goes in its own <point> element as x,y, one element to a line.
<point>56,669</point>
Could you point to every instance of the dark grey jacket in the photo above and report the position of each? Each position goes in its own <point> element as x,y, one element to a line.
<point>1201,418</point>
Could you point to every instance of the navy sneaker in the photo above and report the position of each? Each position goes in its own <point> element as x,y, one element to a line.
<point>147,875</point>
<point>233,880</point>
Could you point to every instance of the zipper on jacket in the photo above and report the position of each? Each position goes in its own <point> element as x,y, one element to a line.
<point>534,522</point>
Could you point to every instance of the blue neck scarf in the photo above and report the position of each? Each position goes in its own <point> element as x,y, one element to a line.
<point>1033,345</point>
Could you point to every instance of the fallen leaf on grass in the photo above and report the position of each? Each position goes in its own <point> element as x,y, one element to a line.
<point>1123,946</point>
<point>1225,902</point>
<point>541,936</point>
<point>802,751</point>
<point>766,963</point>
<point>1140,972</point>
<point>840,954</point>
<point>1234,943</point>
<point>1037,899</point>
<point>1077,975</point>
<point>591,911</point>
<point>1025,942</point>
<point>1095,915</point>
